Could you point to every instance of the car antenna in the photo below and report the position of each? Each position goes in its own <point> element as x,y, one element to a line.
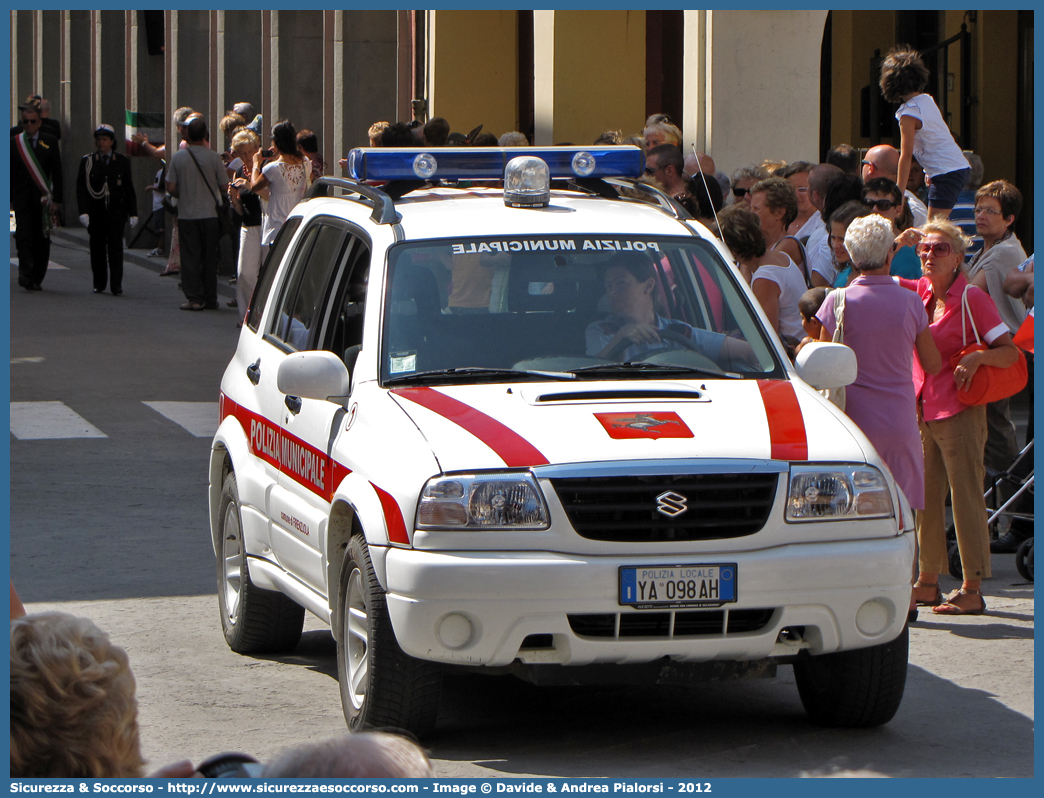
<point>706,188</point>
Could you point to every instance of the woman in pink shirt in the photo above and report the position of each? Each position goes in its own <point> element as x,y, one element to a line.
<point>953,435</point>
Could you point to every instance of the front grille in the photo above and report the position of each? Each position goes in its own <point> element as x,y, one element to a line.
<point>624,509</point>
<point>686,623</point>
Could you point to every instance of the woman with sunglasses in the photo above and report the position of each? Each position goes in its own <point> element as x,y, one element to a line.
<point>884,198</point>
<point>953,435</point>
<point>743,180</point>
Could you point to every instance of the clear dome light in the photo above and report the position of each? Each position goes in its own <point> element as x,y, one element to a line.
<point>583,164</point>
<point>425,166</point>
<point>527,182</point>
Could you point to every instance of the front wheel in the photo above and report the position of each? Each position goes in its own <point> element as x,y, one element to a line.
<point>253,620</point>
<point>1024,559</point>
<point>854,689</point>
<point>382,687</point>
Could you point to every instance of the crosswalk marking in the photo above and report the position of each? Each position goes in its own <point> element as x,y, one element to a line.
<point>49,421</point>
<point>199,418</point>
<point>26,360</point>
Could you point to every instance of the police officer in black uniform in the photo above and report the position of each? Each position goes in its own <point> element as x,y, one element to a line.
<point>105,195</point>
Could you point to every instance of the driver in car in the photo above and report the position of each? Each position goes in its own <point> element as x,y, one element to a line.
<point>634,329</point>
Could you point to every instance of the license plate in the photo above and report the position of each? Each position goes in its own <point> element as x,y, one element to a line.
<point>674,586</point>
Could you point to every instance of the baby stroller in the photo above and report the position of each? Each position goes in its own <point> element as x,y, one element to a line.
<point>1017,481</point>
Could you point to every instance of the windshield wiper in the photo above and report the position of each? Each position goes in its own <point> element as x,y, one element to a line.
<point>468,373</point>
<point>640,365</point>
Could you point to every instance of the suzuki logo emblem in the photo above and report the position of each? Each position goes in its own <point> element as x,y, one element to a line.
<point>671,504</point>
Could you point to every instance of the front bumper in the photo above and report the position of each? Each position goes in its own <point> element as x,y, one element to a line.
<point>845,595</point>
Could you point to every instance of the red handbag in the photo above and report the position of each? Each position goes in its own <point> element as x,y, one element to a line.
<point>989,383</point>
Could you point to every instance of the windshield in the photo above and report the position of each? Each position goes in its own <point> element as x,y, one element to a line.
<point>575,307</point>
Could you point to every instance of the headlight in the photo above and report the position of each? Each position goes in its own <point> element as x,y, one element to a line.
<point>482,501</point>
<point>825,493</point>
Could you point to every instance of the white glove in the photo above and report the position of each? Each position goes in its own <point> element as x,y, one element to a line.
<point>133,221</point>
<point>85,219</point>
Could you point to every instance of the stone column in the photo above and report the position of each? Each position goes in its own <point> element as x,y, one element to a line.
<point>77,107</point>
<point>543,78</point>
<point>695,121</point>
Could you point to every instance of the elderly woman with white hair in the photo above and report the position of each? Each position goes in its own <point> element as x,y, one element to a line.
<point>661,132</point>
<point>883,323</point>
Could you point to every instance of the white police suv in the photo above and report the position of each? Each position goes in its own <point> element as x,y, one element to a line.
<point>510,409</point>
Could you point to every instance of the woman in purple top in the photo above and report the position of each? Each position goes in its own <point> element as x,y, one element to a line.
<point>883,323</point>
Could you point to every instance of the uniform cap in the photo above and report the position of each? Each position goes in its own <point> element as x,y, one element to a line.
<point>105,130</point>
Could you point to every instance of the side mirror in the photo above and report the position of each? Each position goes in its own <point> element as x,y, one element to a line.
<point>826,365</point>
<point>313,375</point>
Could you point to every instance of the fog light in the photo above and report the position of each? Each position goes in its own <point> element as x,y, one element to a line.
<point>454,631</point>
<point>873,618</point>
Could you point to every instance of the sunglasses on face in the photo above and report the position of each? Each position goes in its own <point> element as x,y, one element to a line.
<point>30,121</point>
<point>881,204</point>
<point>939,249</point>
<point>740,193</point>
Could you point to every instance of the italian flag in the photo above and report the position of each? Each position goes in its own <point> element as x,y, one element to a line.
<point>147,122</point>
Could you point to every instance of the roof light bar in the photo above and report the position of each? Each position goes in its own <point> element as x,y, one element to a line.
<point>489,163</point>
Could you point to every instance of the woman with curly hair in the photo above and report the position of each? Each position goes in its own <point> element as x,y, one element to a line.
<point>924,134</point>
<point>73,709</point>
<point>775,280</point>
<point>776,204</point>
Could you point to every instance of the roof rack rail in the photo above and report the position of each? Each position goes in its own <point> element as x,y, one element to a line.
<point>383,205</point>
<point>665,201</point>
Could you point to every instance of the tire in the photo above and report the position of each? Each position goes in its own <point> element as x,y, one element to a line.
<point>382,687</point>
<point>253,620</point>
<point>1024,559</point>
<point>854,689</point>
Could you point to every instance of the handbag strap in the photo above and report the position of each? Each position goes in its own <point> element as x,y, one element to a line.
<point>839,315</point>
<point>804,260</point>
<point>217,202</point>
<point>966,311</point>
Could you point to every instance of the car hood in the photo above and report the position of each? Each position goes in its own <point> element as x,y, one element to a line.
<point>519,425</point>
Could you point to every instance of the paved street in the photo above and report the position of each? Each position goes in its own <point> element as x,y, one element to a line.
<point>109,520</point>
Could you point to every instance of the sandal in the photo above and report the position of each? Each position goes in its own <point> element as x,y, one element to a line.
<point>949,607</point>
<point>935,600</point>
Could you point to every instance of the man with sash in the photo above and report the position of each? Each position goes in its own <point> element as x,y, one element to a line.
<point>36,193</point>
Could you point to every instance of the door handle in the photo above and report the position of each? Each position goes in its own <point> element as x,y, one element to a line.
<point>293,404</point>
<point>253,371</point>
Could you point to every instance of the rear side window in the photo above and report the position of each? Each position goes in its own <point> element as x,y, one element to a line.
<point>269,269</point>
<point>307,284</point>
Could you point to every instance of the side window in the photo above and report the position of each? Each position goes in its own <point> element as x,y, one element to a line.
<point>343,328</point>
<point>269,269</point>
<point>301,303</point>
